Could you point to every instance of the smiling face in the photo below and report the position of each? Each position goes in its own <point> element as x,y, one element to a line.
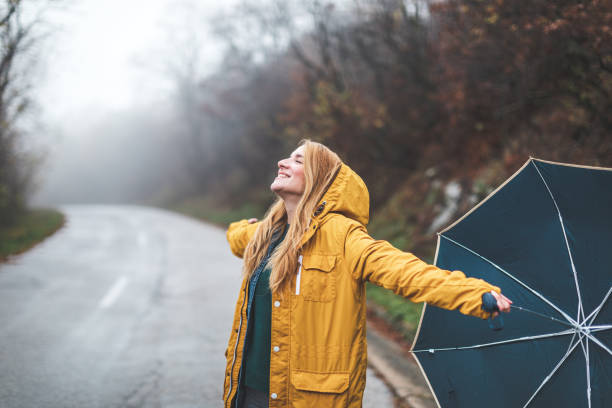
<point>290,178</point>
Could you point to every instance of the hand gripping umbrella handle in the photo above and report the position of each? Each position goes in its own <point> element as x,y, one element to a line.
<point>489,304</point>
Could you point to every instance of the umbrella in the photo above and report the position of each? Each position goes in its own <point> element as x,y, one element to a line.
<point>545,238</point>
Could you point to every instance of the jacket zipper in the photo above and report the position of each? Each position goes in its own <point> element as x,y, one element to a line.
<point>229,392</point>
<point>299,276</point>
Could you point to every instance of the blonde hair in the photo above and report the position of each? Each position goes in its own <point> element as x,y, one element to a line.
<point>320,168</point>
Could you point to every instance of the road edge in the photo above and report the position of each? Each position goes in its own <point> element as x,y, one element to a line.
<point>400,372</point>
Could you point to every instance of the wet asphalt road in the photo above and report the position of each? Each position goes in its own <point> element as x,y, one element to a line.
<point>125,306</point>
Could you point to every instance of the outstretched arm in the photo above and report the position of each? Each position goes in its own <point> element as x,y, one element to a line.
<point>405,274</point>
<point>240,233</point>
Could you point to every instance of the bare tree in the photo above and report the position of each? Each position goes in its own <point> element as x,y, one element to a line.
<point>14,40</point>
<point>21,32</point>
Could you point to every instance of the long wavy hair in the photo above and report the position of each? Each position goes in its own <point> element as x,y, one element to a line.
<point>320,168</point>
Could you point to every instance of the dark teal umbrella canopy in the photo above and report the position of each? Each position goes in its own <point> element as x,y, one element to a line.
<point>545,238</point>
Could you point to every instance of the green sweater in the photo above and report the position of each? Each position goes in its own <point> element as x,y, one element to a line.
<point>257,359</point>
<point>257,362</point>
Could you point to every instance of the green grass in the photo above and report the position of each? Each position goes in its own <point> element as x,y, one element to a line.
<point>401,313</point>
<point>206,209</point>
<point>29,229</point>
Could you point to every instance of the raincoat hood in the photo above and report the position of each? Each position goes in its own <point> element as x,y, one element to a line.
<point>347,195</point>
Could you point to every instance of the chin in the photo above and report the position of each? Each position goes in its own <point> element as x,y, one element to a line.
<point>275,188</point>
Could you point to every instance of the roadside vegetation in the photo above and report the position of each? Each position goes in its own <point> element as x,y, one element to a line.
<point>433,104</point>
<point>20,35</point>
<point>28,229</point>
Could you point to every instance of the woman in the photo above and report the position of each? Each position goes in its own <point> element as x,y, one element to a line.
<point>299,332</point>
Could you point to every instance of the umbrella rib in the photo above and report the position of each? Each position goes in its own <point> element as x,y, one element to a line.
<point>535,292</point>
<point>523,309</point>
<point>569,351</point>
<point>585,350</point>
<point>600,327</point>
<point>599,343</point>
<point>495,343</point>
<point>580,307</point>
<point>595,311</point>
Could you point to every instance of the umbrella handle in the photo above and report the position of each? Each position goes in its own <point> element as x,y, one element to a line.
<point>489,304</point>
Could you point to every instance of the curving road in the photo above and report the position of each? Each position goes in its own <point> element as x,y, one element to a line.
<point>125,306</point>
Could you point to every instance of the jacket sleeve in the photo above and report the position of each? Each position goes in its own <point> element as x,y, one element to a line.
<point>406,275</point>
<point>239,234</point>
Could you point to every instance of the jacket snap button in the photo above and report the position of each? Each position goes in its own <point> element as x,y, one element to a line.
<point>276,303</point>
<point>276,348</point>
<point>274,396</point>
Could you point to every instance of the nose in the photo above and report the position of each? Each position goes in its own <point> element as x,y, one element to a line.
<point>282,164</point>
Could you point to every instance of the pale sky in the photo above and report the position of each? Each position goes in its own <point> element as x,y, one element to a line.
<point>105,54</point>
<point>101,71</point>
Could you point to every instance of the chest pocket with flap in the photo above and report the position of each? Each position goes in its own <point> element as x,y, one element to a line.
<point>318,277</point>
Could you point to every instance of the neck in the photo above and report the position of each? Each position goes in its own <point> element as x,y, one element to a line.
<point>290,206</point>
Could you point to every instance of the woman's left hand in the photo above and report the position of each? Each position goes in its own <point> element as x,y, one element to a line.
<point>503,303</point>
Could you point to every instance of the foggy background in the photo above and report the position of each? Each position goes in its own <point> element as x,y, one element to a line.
<point>113,72</point>
<point>189,105</point>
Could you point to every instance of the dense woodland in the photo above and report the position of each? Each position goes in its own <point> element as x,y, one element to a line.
<point>433,103</point>
<point>412,95</point>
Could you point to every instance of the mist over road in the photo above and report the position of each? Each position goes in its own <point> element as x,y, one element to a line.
<point>125,306</point>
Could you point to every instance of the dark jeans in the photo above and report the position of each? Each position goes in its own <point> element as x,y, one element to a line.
<point>253,398</point>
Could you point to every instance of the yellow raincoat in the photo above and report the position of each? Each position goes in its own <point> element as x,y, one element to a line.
<point>318,340</point>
